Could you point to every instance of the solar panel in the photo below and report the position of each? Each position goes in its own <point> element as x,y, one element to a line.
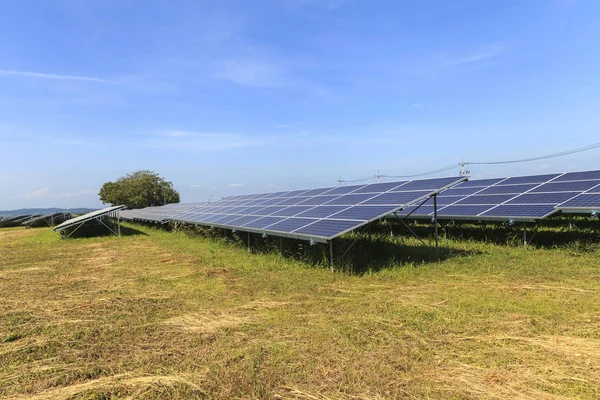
<point>315,214</point>
<point>87,217</point>
<point>521,198</point>
<point>586,202</point>
<point>158,214</point>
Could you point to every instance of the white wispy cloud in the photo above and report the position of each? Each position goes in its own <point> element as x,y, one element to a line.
<point>202,141</point>
<point>298,5</point>
<point>58,77</point>
<point>233,185</point>
<point>36,193</point>
<point>253,72</point>
<point>416,105</point>
<point>267,71</point>
<point>481,55</point>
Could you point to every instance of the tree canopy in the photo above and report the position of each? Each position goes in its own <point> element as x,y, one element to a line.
<point>140,189</point>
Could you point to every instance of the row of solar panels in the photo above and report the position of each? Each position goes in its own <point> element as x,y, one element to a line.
<point>34,220</point>
<point>15,220</point>
<point>317,214</point>
<point>322,214</point>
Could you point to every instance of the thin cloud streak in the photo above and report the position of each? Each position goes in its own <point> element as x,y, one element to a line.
<point>57,77</point>
<point>488,53</point>
<point>202,141</point>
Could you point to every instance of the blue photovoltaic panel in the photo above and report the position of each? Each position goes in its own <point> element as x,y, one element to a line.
<point>290,202</point>
<point>577,186</point>
<point>363,213</point>
<point>507,189</point>
<point>586,200</point>
<point>158,213</point>
<point>479,183</point>
<point>322,212</point>
<point>492,199</point>
<point>291,211</point>
<point>291,224</point>
<point>332,211</point>
<point>579,176</point>
<point>460,191</point>
<point>392,198</point>
<point>521,210</point>
<point>223,221</point>
<point>263,222</point>
<point>316,192</point>
<point>425,184</point>
<point>464,210</point>
<point>315,201</point>
<point>524,198</point>
<point>295,193</point>
<point>345,189</point>
<point>241,221</point>
<point>541,198</point>
<point>380,187</point>
<point>444,200</point>
<point>268,210</point>
<point>327,228</point>
<point>350,199</point>
<point>250,210</point>
<point>213,217</point>
<point>529,179</point>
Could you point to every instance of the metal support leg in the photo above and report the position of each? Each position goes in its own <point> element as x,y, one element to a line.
<point>524,234</point>
<point>331,255</point>
<point>435,223</point>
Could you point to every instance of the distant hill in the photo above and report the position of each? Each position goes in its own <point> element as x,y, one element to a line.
<point>24,211</point>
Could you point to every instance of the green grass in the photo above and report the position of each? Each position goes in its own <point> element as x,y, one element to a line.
<point>169,315</point>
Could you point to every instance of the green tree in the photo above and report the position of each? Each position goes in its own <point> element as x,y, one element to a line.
<point>140,189</point>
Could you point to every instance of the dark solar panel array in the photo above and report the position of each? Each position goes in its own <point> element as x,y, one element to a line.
<point>318,214</point>
<point>526,198</point>
<point>15,221</point>
<point>46,219</point>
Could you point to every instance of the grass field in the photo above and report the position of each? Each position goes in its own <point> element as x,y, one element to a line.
<point>160,314</point>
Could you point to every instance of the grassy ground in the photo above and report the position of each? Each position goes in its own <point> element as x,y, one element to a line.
<point>165,315</point>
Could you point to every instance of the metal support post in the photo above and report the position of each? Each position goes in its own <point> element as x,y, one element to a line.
<point>435,223</point>
<point>331,255</point>
<point>524,234</point>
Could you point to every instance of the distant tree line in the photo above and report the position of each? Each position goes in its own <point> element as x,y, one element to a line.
<point>140,189</point>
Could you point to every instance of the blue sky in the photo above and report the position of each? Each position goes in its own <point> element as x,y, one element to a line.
<point>235,97</point>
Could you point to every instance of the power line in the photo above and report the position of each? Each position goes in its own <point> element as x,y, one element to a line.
<point>436,171</point>
<point>563,153</point>
<point>466,163</point>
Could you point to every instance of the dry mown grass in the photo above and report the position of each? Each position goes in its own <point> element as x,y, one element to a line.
<point>163,315</point>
